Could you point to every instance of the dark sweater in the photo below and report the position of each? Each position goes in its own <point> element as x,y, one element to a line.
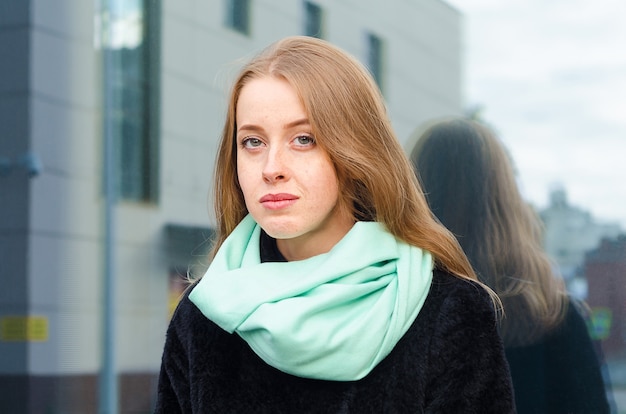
<point>560,374</point>
<point>451,360</point>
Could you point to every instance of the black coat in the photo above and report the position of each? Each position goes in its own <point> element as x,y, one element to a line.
<point>451,360</point>
<point>559,374</point>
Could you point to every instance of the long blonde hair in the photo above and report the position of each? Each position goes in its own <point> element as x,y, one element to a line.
<point>349,121</point>
<point>470,186</point>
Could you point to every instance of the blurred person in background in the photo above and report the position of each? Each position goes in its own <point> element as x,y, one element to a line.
<point>469,182</point>
<point>332,288</point>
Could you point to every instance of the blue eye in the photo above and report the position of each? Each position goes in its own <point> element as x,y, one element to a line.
<point>251,142</point>
<point>305,140</point>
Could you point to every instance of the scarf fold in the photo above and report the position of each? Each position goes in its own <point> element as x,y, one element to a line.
<point>334,316</point>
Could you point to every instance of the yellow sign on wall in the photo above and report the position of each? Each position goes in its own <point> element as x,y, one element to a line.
<point>24,328</point>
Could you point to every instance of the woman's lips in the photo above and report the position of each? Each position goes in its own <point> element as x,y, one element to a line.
<point>278,201</point>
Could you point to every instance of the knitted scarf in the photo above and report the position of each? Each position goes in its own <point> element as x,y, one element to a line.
<point>333,316</point>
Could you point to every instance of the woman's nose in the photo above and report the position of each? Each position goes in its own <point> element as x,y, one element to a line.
<point>276,166</point>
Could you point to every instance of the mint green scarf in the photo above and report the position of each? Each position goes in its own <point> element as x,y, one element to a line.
<point>334,316</point>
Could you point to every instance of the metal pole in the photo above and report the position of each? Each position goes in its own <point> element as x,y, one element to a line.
<point>108,378</point>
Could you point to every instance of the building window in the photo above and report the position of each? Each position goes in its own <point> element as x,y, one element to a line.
<point>313,20</point>
<point>238,15</point>
<point>132,80</point>
<point>375,58</point>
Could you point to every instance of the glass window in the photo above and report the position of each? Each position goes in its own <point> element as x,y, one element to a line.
<point>375,58</point>
<point>313,24</point>
<point>132,80</point>
<point>238,15</point>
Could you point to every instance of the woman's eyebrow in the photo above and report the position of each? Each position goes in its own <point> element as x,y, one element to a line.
<point>250,127</point>
<point>297,122</point>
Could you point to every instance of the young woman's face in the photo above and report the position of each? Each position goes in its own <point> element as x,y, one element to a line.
<point>289,183</point>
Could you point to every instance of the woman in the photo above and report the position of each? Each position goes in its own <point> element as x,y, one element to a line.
<point>332,288</point>
<point>470,185</point>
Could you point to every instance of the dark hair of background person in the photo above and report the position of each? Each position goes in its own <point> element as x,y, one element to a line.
<point>470,185</point>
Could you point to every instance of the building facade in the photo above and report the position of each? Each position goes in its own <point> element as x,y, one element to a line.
<point>110,113</point>
<point>570,232</point>
<point>605,269</point>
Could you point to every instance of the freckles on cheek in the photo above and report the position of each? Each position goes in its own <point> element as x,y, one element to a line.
<point>247,185</point>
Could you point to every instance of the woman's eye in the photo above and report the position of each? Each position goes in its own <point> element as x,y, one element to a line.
<point>305,140</point>
<point>251,142</point>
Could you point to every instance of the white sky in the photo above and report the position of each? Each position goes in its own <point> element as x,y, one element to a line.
<point>551,79</point>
